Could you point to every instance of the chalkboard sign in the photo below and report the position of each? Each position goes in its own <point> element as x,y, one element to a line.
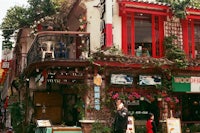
<point>130,125</point>
<point>173,125</point>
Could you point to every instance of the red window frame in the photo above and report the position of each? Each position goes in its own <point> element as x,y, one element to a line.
<point>187,24</point>
<point>161,11</point>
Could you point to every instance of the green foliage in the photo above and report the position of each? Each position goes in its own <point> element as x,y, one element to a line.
<point>19,17</point>
<point>17,111</point>
<point>179,7</point>
<point>16,17</point>
<point>99,127</point>
<point>80,106</point>
<point>174,53</point>
<point>195,3</point>
<point>40,8</point>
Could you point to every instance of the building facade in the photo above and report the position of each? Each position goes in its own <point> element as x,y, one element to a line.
<point>113,49</point>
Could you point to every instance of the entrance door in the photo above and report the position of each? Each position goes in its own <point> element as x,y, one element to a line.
<point>70,112</point>
<point>48,105</point>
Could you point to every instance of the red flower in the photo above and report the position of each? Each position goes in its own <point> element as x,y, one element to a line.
<point>115,96</point>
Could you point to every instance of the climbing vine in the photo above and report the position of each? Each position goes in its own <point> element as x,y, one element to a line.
<point>174,53</point>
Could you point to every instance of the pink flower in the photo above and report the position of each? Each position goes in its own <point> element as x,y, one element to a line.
<point>167,99</point>
<point>136,95</point>
<point>115,96</point>
<point>172,99</point>
<point>176,100</point>
<point>130,97</point>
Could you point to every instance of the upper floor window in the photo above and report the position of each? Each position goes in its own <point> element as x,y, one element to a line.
<point>143,35</point>
<point>191,37</point>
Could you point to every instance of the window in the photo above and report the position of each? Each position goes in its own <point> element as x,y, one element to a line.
<point>144,35</point>
<point>191,37</point>
<point>194,27</point>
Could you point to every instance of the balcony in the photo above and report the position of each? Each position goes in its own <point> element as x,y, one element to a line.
<point>59,45</point>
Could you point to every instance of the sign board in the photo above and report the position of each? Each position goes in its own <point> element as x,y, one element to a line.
<point>173,125</point>
<point>186,84</point>
<point>130,125</point>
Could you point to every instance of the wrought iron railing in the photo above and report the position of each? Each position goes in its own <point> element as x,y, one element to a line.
<point>59,45</point>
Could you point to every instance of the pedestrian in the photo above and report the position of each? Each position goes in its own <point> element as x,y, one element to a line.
<point>121,117</point>
<point>150,124</point>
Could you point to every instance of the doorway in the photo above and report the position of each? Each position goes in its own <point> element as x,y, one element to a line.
<point>71,114</point>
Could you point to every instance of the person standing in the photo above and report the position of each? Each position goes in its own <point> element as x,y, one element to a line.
<point>150,124</point>
<point>121,118</point>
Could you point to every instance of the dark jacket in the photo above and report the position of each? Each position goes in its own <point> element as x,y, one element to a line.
<point>121,119</point>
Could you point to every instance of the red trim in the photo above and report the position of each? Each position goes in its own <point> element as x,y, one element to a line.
<point>185,36</point>
<point>124,34</point>
<point>109,35</point>
<point>197,68</point>
<point>193,41</point>
<point>193,10</point>
<point>149,5</point>
<point>133,34</point>
<point>153,36</point>
<point>193,17</point>
<point>117,64</point>
<point>146,11</point>
<point>161,35</point>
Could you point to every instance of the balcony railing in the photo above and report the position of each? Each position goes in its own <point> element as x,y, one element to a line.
<point>59,45</point>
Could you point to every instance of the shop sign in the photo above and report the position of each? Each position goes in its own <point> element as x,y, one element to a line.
<point>186,84</point>
<point>135,102</point>
<point>65,78</point>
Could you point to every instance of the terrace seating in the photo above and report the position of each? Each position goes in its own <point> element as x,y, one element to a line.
<point>48,48</point>
<point>61,50</point>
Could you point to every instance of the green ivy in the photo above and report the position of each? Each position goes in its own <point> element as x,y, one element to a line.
<point>174,53</point>
<point>17,111</point>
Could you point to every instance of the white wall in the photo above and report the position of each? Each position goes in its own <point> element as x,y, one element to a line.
<point>93,18</point>
<point>117,26</point>
<point>93,26</point>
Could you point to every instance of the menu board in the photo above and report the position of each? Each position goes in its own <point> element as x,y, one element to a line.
<point>173,125</point>
<point>130,125</point>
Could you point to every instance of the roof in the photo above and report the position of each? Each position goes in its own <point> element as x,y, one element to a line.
<point>147,2</point>
<point>155,3</point>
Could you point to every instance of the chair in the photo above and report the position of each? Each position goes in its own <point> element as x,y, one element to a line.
<point>49,49</point>
<point>61,51</point>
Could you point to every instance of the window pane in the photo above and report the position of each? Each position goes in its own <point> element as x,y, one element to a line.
<point>129,38</point>
<point>197,39</point>
<point>143,34</point>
